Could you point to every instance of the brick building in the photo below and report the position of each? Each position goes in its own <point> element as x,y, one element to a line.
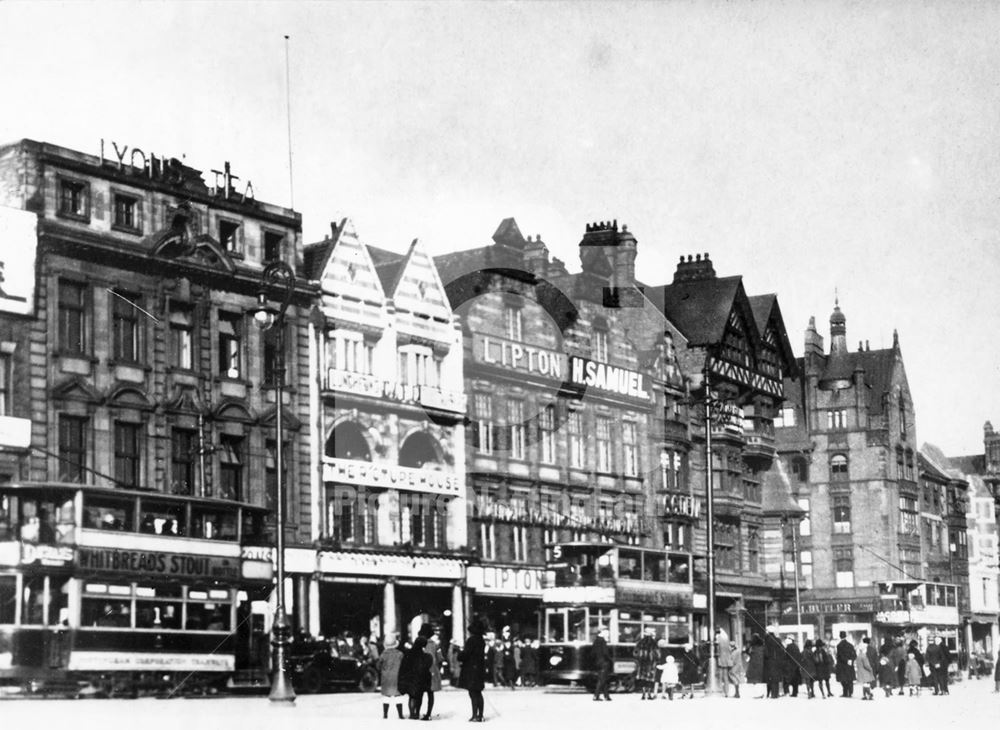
<point>848,437</point>
<point>577,432</point>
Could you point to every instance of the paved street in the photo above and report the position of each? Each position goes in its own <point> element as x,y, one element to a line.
<point>971,705</point>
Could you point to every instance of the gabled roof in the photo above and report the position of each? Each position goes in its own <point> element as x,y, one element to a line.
<point>765,310</point>
<point>878,368</point>
<point>700,309</point>
<point>314,258</point>
<point>389,265</point>
<point>971,464</point>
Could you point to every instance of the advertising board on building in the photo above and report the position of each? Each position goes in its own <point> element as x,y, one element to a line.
<point>499,580</point>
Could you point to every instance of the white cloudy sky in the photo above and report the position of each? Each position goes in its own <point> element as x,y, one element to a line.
<point>809,146</point>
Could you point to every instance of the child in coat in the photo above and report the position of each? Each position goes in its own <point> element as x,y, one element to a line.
<point>669,676</point>
<point>388,666</point>
<point>913,674</point>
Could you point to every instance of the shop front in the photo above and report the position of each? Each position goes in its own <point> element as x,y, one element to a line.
<point>507,595</point>
<point>825,618</point>
<point>366,592</point>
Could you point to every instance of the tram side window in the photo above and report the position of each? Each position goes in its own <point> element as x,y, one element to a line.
<point>254,529</point>
<point>630,564</point>
<point>213,524</point>
<point>158,607</point>
<point>679,569</point>
<point>8,598</point>
<point>106,606</point>
<point>209,610</point>
<point>103,513</point>
<point>629,627</point>
<point>654,567</point>
<point>162,518</point>
<point>38,520</point>
<point>678,630</point>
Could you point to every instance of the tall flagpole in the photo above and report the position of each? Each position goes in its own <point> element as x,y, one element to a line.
<point>288,115</point>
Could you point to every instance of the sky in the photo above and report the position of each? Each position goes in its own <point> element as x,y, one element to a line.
<point>815,148</point>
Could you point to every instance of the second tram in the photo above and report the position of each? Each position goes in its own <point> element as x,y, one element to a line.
<point>624,589</point>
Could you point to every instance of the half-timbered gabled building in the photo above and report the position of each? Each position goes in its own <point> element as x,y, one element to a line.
<point>737,355</point>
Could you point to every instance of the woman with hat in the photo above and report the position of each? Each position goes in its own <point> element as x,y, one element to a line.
<point>388,667</point>
<point>473,674</point>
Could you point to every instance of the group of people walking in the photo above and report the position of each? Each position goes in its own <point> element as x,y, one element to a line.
<point>783,667</point>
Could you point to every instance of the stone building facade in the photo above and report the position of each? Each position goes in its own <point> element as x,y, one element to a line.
<point>848,437</point>
<point>138,364</point>
<point>389,483</point>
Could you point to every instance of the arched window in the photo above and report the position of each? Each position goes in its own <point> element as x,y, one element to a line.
<point>348,442</point>
<point>420,451</point>
<point>838,466</point>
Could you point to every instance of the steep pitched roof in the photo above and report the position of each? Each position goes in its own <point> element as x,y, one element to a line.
<point>765,310</point>
<point>971,464</point>
<point>878,368</point>
<point>314,258</point>
<point>777,488</point>
<point>700,309</point>
<point>388,264</point>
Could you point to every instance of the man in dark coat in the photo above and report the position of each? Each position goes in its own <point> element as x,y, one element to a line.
<point>809,668</point>
<point>773,662</point>
<point>823,661</point>
<point>415,675</point>
<point>472,677</point>
<point>791,674</point>
<point>897,658</point>
<point>845,665</point>
<point>938,658</point>
<point>872,653</point>
<point>602,662</point>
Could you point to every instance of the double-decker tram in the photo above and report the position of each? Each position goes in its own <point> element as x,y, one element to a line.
<point>622,588</point>
<point>121,591</point>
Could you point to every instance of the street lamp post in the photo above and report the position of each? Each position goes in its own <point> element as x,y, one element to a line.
<point>712,680</point>
<point>280,274</point>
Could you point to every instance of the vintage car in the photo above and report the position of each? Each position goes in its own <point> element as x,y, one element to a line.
<point>314,665</point>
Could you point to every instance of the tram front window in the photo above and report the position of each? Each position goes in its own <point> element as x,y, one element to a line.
<point>578,624</point>
<point>555,625</point>
<point>44,600</point>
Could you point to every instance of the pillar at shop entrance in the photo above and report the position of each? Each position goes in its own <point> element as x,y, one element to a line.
<point>457,614</point>
<point>389,608</point>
